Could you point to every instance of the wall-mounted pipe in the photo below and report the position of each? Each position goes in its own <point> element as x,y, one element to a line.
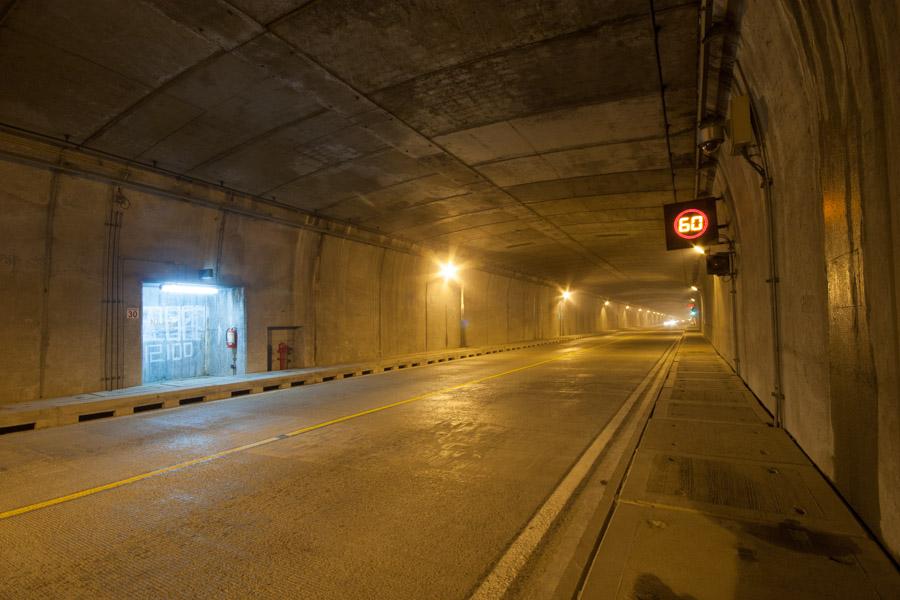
<point>778,391</point>
<point>46,277</point>
<point>309,222</point>
<point>763,171</point>
<point>702,83</point>
<point>662,98</point>
<point>114,293</point>
<point>732,279</point>
<point>734,318</point>
<point>332,227</point>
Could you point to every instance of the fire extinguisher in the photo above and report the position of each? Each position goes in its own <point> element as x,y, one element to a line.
<point>284,352</point>
<point>231,342</point>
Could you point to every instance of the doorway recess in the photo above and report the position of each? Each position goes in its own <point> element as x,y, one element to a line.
<point>183,331</point>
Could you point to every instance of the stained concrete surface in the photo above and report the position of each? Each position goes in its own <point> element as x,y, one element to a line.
<point>448,112</point>
<point>825,97</point>
<point>412,502</point>
<point>351,299</point>
<point>715,506</point>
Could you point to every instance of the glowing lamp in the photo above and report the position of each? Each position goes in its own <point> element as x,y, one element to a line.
<point>449,271</point>
<point>196,289</point>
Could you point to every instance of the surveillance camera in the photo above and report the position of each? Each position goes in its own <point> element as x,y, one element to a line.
<point>709,138</point>
<point>710,147</point>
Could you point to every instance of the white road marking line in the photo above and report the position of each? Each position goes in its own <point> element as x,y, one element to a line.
<point>496,584</point>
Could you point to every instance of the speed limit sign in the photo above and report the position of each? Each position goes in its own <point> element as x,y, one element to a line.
<point>691,223</point>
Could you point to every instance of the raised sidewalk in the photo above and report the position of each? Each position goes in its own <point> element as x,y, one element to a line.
<point>718,504</point>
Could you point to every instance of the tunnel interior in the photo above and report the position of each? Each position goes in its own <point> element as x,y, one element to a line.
<point>322,162</point>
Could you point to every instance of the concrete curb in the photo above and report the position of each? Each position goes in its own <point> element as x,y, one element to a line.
<point>635,423</point>
<point>69,410</point>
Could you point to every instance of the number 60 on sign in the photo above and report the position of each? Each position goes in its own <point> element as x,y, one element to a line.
<point>691,223</point>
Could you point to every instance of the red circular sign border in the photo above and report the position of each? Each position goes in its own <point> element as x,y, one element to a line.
<point>691,210</point>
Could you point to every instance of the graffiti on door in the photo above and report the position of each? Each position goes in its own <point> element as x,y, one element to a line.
<point>174,334</point>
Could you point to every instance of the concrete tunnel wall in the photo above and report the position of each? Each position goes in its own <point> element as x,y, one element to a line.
<point>828,112</point>
<point>353,300</point>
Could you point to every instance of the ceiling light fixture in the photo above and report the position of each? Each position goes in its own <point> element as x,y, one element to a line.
<point>449,270</point>
<point>196,289</point>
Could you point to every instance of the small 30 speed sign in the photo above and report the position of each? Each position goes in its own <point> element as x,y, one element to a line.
<point>691,224</point>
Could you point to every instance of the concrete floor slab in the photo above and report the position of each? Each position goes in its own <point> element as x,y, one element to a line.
<point>671,555</point>
<point>726,440</point>
<point>710,395</point>
<point>769,491</point>
<point>415,501</point>
<point>705,382</point>
<point>717,504</point>
<point>708,412</point>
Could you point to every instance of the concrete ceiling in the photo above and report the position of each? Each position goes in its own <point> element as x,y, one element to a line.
<point>528,133</point>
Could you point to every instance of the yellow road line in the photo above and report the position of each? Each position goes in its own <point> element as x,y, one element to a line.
<point>195,461</point>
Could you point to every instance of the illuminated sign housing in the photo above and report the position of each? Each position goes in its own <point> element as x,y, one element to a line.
<point>691,223</point>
